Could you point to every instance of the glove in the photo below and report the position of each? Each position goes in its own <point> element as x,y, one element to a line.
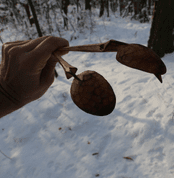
<point>27,68</point>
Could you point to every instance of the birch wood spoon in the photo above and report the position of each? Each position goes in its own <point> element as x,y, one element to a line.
<point>90,91</point>
<point>132,55</point>
<point>68,69</point>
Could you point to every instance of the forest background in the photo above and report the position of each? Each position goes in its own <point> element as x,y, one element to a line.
<point>52,137</point>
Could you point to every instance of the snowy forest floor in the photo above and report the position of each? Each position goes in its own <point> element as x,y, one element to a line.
<point>52,138</point>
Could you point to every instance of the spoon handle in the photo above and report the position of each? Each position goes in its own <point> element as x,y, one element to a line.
<point>109,46</point>
<point>68,69</point>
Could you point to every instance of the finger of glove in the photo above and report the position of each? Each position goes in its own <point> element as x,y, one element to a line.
<point>61,53</point>
<point>13,42</point>
<point>40,55</point>
<point>9,45</point>
<point>47,74</point>
<point>5,52</point>
<point>16,49</point>
<point>6,47</point>
<point>31,44</point>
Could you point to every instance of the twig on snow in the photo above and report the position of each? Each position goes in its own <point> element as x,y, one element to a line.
<point>5,155</point>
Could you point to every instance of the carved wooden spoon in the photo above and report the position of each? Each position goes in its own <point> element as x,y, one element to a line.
<point>132,55</point>
<point>89,90</point>
<point>68,69</point>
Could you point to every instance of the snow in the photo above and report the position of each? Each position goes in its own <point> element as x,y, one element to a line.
<point>51,137</point>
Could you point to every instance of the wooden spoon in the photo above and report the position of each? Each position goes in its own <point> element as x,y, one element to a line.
<point>132,55</point>
<point>68,69</point>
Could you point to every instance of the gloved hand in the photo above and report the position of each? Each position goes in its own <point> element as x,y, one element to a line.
<point>27,68</point>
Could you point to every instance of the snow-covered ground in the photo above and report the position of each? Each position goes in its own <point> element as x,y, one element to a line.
<point>53,138</point>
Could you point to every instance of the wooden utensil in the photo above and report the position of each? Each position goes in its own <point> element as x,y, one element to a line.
<point>90,92</point>
<point>132,55</point>
<point>68,69</point>
<point>109,46</point>
<point>94,94</point>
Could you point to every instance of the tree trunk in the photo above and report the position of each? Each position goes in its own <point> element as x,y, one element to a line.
<point>38,27</point>
<point>16,15</point>
<point>161,37</point>
<point>31,19</point>
<point>130,7</point>
<point>65,4</point>
<point>121,2</point>
<point>1,40</point>
<point>137,7</point>
<point>107,7</point>
<point>101,8</point>
<point>88,5</point>
<point>154,9</point>
<point>149,7</point>
<point>35,18</point>
<point>143,3</point>
<point>77,6</point>
<point>143,14</point>
<point>104,4</point>
<point>47,10</point>
<point>113,5</point>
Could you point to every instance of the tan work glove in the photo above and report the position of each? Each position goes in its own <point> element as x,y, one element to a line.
<point>27,68</point>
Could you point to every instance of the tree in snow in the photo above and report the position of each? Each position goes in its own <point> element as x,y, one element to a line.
<point>162,30</point>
